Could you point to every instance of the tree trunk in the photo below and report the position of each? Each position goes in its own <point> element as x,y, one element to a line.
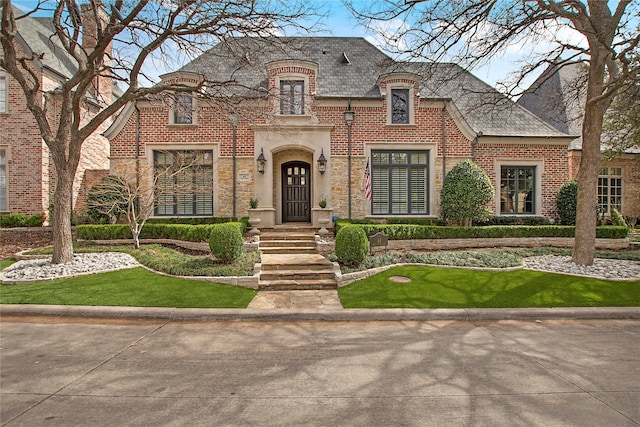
<point>61,221</point>
<point>587,208</point>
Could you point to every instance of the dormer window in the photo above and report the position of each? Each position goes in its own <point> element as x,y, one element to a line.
<point>400,113</point>
<point>292,97</point>
<point>183,109</point>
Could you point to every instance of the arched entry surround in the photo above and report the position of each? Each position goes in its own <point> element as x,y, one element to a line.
<point>290,157</point>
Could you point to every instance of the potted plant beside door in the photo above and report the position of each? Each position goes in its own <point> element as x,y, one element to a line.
<point>324,217</point>
<point>254,216</point>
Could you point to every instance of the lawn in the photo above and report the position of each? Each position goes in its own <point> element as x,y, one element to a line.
<point>135,287</point>
<point>435,287</point>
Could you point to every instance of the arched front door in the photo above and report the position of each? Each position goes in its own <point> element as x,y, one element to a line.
<point>296,177</point>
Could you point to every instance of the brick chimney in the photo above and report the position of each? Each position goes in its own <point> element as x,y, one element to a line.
<point>103,84</point>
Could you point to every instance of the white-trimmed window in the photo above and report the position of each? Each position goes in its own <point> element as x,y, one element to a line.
<point>518,190</point>
<point>610,190</point>
<point>400,182</point>
<point>3,91</point>
<point>184,183</point>
<point>291,97</point>
<point>183,108</point>
<point>3,179</point>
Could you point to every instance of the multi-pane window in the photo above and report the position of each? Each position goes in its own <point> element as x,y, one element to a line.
<point>517,188</point>
<point>610,189</point>
<point>3,179</point>
<point>292,97</point>
<point>400,106</point>
<point>184,183</point>
<point>399,183</point>
<point>183,109</point>
<point>3,91</point>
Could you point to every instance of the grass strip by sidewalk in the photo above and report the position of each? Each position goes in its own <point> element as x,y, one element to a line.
<point>135,287</point>
<point>435,287</point>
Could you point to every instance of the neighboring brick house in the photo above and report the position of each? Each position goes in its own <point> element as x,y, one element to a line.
<point>557,97</point>
<point>314,113</point>
<point>27,177</point>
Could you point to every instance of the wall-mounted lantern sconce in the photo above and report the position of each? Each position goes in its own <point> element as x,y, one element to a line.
<point>262,161</point>
<point>322,162</point>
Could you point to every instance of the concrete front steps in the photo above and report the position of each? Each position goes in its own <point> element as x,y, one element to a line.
<point>290,261</point>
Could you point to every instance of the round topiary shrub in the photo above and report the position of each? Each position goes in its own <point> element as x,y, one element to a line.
<point>466,191</point>
<point>108,199</point>
<point>567,202</point>
<point>226,241</point>
<point>352,245</point>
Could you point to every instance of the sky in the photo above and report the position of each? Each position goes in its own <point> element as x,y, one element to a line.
<point>339,22</point>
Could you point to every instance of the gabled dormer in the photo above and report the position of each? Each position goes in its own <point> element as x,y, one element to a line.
<point>400,90</point>
<point>293,84</point>
<point>183,103</point>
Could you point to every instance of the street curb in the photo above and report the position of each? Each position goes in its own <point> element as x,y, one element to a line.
<point>344,315</point>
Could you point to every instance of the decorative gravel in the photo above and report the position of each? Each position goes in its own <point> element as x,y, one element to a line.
<point>601,268</point>
<point>42,269</point>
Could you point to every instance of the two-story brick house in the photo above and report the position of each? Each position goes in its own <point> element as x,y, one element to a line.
<point>558,97</point>
<point>27,176</point>
<point>305,118</point>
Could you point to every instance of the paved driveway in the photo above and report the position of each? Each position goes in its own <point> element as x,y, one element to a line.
<point>515,373</point>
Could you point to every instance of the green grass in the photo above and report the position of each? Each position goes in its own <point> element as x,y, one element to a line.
<point>435,287</point>
<point>4,263</point>
<point>132,287</point>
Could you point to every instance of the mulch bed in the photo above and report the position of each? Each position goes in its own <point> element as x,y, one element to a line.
<point>14,240</point>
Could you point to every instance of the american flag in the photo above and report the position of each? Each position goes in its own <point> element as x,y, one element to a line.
<point>367,182</point>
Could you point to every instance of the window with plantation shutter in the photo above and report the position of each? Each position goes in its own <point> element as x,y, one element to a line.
<point>399,183</point>
<point>610,190</point>
<point>184,183</point>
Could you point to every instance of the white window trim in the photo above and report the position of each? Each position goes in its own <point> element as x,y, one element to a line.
<point>609,175</point>
<point>7,156</point>
<point>412,103</point>
<point>307,97</point>
<point>539,168</point>
<point>194,115</point>
<point>4,105</point>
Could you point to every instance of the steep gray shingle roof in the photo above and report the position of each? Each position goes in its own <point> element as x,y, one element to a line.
<point>484,108</point>
<point>38,35</point>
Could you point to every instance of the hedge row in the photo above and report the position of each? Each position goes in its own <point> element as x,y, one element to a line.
<point>193,220</point>
<point>408,232</point>
<point>185,232</point>
<point>21,220</point>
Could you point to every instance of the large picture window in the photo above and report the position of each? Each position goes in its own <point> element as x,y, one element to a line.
<point>292,97</point>
<point>184,183</point>
<point>3,179</point>
<point>610,189</point>
<point>517,188</point>
<point>399,183</point>
<point>400,106</point>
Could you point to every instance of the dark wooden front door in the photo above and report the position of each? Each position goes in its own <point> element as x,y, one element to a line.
<point>295,192</point>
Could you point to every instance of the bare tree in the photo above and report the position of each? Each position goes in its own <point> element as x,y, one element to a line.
<point>127,37</point>
<point>602,34</point>
<point>124,194</point>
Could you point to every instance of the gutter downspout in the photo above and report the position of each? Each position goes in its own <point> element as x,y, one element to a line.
<point>443,139</point>
<point>135,105</point>
<point>349,158</point>
<point>235,141</point>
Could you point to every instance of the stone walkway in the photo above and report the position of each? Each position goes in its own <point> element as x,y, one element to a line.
<point>298,300</point>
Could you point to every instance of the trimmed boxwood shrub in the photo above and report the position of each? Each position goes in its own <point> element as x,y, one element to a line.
<point>567,202</point>
<point>515,220</point>
<point>352,245</point>
<point>192,220</point>
<point>465,193</point>
<point>226,241</point>
<point>21,220</point>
